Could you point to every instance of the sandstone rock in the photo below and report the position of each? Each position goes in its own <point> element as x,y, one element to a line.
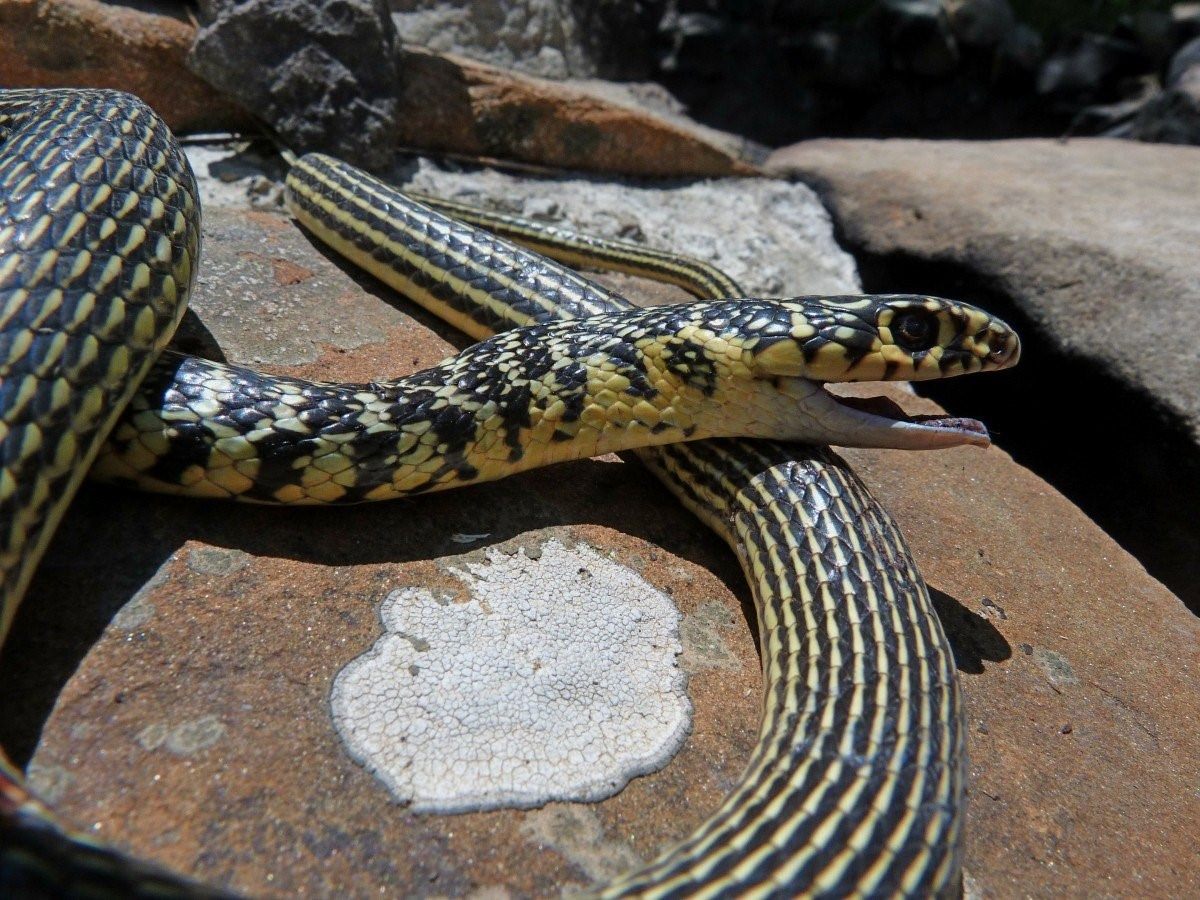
<point>195,727</point>
<point>283,787</point>
<point>1092,245</point>
<point>139,48</point>
<point>322,75</point>
<point>1021,212</point>
<point>451,104</point>
<point>1074,663</point>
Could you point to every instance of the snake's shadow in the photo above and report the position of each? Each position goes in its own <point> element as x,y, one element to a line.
<point>114,542</point>
<point>973,638</point>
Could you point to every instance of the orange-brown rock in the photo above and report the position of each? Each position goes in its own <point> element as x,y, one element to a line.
<point>1081,675</point>
<point>451,104</point>
<point>1089,246</point>
<point>174,660</point>
<point>86,43</point>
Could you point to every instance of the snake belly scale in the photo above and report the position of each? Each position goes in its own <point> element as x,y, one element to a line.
<point>855,787</point>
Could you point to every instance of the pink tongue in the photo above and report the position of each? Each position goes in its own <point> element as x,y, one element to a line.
<point>888,408</point>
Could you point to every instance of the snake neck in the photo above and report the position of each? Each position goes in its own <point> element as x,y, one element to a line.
<point>524,399</point>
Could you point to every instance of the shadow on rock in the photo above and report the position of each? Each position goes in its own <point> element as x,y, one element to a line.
<point>973,639</point>
<point>114,544</point>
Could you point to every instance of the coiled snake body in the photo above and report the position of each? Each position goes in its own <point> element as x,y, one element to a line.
<point>856,783</point>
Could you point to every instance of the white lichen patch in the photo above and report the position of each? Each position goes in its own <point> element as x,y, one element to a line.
<point>556,679</point>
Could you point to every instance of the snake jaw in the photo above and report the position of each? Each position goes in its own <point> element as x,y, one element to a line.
<point>919,432</point>
<point>820,416</point>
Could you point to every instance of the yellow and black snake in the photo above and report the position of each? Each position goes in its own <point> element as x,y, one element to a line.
<point>856,785</point>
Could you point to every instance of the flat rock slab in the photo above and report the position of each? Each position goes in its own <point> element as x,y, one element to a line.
<point>1081,675</point>
<point>1091,247</point>
<point>1094,239</point>
<point>179,657</point>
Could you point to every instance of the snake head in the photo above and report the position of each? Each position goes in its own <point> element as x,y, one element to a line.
<point>887,337</point>
<point>890,337</point>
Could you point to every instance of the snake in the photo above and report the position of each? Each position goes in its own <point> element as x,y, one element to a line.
<point>856,785</point>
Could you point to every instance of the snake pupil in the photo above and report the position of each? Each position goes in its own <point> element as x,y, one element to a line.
<point>914,331</point>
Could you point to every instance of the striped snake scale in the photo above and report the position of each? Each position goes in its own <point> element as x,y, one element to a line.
<point>856,784</point>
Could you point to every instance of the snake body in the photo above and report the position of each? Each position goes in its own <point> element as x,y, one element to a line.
<point>856,784</point>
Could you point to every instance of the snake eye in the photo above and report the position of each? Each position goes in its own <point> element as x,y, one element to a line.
<point>914,331</point>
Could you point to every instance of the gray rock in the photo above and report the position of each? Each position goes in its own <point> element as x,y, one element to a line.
<point>1186,19</point>
<point>980,23</point>
<point>1173,116</point>
<point>1091,244</point>
<point>1155,32</point>
<point>1183,63</point>
<point>1021,50</point>
<point>550,38</point>
<point>784,243</point>
<point>1085,66</point>
<point>321,74</point>
<point>919,36</point>
<point>1096,240</point>
<point>1050,621</point>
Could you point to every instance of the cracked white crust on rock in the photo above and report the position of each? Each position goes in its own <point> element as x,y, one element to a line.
<point>556,680</point>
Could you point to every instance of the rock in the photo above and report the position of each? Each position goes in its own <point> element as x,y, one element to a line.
<point>1072,660</point>
<point>980,23</point>
<point>1173,116</point>
<point>216,725</point>
<point>1185,18</point>
<point>1153,30</point>
<point>322,75</point>
<point>1090,245</point>
<point>1087,67</point>
<point>1183,63</point>
<point>918,36</point>
<point>195,729</point>
<point>538,37</point>
<point>137,48</point>
<point>450,104</point>
<point>786,239</point>
<point>1020,52</point>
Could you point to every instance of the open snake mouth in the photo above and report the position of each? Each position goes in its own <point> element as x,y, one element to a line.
<point>883,416</point>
